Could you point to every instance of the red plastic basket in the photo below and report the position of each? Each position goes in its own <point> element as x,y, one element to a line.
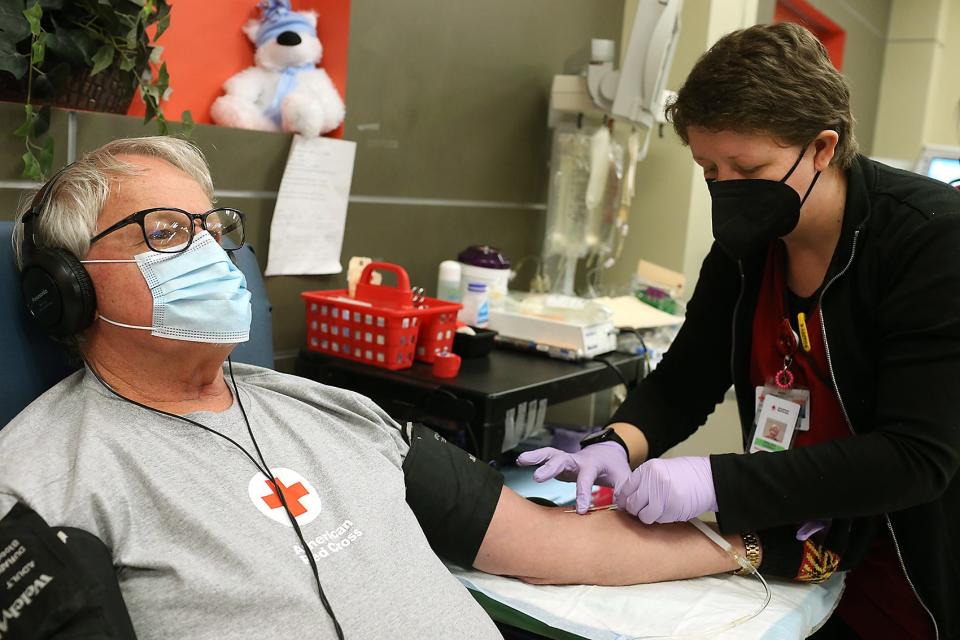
<point>380,325</point>
<point>437,329</point>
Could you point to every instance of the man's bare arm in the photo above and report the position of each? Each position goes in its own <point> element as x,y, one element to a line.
<point>548,546</point>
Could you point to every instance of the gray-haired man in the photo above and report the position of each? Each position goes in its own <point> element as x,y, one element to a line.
<point>241,502</point>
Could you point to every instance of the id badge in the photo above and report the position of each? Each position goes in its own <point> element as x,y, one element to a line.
<point>796,394</point>
<point>775,425</point>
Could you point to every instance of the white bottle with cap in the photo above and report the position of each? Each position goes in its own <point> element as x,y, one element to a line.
<point>476,306</point>
<point>448,281</point>
<point>483,263</point>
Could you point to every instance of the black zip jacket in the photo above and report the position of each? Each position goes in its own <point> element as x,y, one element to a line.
<point>890,309</point>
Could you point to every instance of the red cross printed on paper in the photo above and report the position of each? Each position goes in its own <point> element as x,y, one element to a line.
<point>291,495</point>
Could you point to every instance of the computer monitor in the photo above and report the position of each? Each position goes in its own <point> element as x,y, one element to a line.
<point>940,162</point>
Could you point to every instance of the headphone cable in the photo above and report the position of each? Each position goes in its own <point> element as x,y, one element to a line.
<point>283,501</point>
<point>264,470</point>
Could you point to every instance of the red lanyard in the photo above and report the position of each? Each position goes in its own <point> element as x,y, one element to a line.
<point>787,344</point>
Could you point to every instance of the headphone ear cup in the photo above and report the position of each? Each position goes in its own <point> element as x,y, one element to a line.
<point>58,292</point>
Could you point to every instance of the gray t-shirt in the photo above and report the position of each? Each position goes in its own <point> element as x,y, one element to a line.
<point>201,544</point>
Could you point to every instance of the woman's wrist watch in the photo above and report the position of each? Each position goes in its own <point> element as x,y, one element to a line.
<point>753,552</point>
<point>607,434</point>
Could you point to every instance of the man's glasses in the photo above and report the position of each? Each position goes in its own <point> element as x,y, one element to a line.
<point>168,230</point>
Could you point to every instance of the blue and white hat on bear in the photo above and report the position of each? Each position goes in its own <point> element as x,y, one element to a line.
<point>279,17</point>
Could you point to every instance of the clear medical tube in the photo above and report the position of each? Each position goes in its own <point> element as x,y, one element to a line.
<point>718,540</point>
<point>740,560</point>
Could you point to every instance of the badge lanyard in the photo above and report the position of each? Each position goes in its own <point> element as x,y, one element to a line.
<point>782,408</point>
<point>787,343</point>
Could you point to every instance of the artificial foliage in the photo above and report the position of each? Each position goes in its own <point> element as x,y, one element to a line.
<point>43,43</point>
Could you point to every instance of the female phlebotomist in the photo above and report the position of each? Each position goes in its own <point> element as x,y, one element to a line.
<point>831,302</point>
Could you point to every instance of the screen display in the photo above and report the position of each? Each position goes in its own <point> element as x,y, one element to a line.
<point>945,169</point>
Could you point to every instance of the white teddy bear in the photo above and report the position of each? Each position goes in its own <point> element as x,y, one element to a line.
<point>285,90</point>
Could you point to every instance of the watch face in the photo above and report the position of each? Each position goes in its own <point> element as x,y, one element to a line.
<point>596,437</point>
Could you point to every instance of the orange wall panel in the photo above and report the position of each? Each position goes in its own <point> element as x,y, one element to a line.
<point>828,32</point>
<point>204,46</point>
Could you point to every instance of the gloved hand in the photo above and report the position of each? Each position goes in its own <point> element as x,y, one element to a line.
<point>668,490</point>
<point>811,527</point>
<point>602,463</point>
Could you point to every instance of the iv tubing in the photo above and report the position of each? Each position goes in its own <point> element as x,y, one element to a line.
<point>718,540</point>
<point>743,562</point>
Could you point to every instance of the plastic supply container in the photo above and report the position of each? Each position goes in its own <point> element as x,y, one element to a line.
<point>380,326</point>
<point>446,365</point>
<point>448,281</point>
<point>482,263</point>
<point>476,305</point>
<point>476,346</point>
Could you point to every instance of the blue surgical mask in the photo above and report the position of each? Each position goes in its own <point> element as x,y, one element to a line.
<point>199,295</point>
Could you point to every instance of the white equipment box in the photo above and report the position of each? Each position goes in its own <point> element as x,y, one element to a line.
<point>563,338</point>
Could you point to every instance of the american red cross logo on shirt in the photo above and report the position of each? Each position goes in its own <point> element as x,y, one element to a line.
<point>295,489</point>
<point>291,495</point>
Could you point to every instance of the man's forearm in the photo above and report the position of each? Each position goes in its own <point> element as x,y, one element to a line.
<point>549,546</point>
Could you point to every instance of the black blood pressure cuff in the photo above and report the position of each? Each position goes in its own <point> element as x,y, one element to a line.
<point>452,494</point>
<point>51,583</point>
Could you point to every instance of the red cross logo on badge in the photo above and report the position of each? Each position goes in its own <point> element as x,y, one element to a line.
<point>301,498</point>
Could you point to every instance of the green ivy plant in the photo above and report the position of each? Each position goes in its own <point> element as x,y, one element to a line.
<point>44,42</point>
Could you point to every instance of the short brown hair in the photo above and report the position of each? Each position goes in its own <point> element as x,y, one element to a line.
<point>769,79</point>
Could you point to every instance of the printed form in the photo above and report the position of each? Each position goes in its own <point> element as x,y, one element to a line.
<point>306,234</point>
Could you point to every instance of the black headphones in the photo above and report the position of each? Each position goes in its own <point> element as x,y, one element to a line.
<point>56,287</point>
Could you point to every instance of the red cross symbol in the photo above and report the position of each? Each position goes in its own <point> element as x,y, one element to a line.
<point>291,494</point>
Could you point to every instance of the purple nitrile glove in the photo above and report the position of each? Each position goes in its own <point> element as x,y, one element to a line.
<point>668,490</point>
<point>602,463</point>
<point>811,527</point>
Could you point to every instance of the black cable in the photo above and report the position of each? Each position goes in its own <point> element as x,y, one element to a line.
<point>264,470</point>
<point>175,416</point>
<point>283,501</point>
<point>643,343</point>
<point>619,374</point>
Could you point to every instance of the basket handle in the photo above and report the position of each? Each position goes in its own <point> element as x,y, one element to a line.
<point>403,280</point>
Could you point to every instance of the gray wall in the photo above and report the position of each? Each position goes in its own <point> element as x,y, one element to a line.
<point>447,102</point>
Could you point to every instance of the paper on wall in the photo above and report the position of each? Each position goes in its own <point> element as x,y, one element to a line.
<point>306,234</point>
